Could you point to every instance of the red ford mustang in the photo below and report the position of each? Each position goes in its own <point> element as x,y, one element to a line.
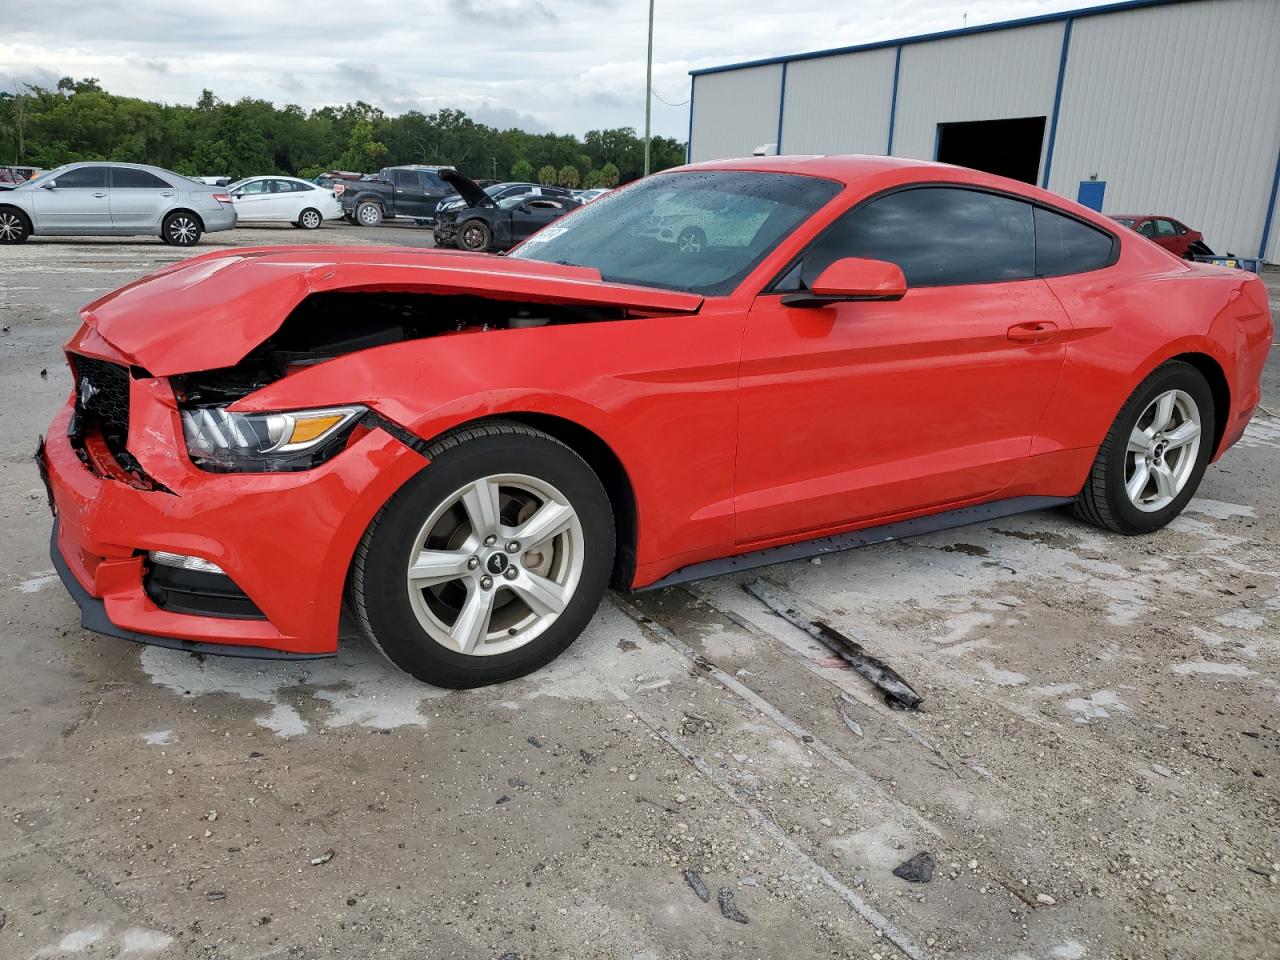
<point>469,449</point>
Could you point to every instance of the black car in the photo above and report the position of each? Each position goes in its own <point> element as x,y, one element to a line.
<point>488,224</point>
<point>412,192</point>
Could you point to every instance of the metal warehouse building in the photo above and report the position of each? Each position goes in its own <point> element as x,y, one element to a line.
<point>1149,106</point>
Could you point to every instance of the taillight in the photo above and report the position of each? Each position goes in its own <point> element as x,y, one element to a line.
<point>222,197</point>
<point>338,188</point>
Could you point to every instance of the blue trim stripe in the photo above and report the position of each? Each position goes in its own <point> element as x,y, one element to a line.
<point>893,102</point>
<point>1271,211</point>
<point>1057,102</point>
<point>782,103</point>
<point>688,144</point>
<point>947,34</point>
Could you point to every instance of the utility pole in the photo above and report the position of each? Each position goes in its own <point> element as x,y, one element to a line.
<point>648,91</point>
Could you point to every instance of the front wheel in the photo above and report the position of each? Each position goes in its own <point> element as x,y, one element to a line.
<point>1155,454</point>
<point>180,229</point>
<point>310,219</point>
<point>475,236</point>
<point>14,227</point>
<point>490,562</point>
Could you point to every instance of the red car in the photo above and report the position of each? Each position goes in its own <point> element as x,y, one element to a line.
<point>468,449</point>
<point>1174,235</point>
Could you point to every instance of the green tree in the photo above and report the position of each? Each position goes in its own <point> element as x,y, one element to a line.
<point>363,152</point>
<point>522,171</point>
<point>609,176</point>
<point>568,176</point>
<point>547,174</point>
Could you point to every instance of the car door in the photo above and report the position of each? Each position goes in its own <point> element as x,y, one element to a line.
<point>75,201</point>
<point>411,196</point>
<point>254,200</point>
<point>858,412</point>
<point>1166,234</point>
<point>287,200</point>
<point>139,199</point>
<point>534,214</point>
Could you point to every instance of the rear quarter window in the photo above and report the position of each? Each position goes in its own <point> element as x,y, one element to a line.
<point>1066,245</point>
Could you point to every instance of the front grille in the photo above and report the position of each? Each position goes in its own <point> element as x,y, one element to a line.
<point>102,411</point>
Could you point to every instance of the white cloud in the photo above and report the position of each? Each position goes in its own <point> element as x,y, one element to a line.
<point>563,65</point>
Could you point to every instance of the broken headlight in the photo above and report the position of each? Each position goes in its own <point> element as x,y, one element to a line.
<point>227,442</point>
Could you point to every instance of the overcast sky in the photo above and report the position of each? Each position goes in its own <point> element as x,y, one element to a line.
<point>562,65</point>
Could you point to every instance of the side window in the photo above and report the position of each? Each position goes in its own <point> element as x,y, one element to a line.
<point>256,186</point>
<point>83,178</point>
<point>128,178</point>
<point>937,235</point>
<point>1165,228</point>
<point>432,181</point>
<point>1147,228</point>
<point>407,178</point>
<point>1065,245</point>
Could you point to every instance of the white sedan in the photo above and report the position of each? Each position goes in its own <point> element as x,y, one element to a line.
<point>284,200</point>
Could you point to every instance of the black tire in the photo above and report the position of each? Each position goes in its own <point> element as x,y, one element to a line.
<point>310,219</point>
<point>473,235</point>
<point>182,228</point>
<point>378,592</point>
<point>368,214</point>
<point>1103,501</point>
<point>14,226</point>
<point>691,240</point>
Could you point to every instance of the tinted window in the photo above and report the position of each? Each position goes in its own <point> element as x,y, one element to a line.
<point>127,177</point>
<point>83,178</point>
<point>432,181</point>
<point>407,178</point>
<point>937,235</point>
<point>1064,245</point>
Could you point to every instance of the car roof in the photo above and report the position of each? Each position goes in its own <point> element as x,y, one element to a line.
<point>847,168</point>
<point>1142,216</point>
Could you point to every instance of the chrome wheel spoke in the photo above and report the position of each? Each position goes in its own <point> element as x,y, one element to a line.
<point>472,625</point>
<point>1139,441</point>
<point>1164,411</point>
<point>481,503</point>
<point>439,566</point>
<point>1136,484</point>
<point>1166,488</point>
<point>542,596</point>
<point>549,520</point>
<point>1183,434</point>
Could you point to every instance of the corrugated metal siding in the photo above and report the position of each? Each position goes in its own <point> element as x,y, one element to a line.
<point>735,112</point>
<point>838,104</point>
<point>1176,108</point>
<point>987,76</point>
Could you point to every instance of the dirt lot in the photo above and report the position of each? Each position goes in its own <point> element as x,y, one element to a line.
<point>1096,769</point>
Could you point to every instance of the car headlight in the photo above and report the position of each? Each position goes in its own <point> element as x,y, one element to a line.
<point>226,442</point>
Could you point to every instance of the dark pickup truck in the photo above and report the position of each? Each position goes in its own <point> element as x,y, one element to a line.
<point>412,192</point>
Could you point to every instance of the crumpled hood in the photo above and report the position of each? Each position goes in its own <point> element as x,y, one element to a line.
<point>472,193</point>
<point>210,311</point>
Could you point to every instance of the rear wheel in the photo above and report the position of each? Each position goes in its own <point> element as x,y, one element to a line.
<point>181,229</point>
<point>475,235</point>
<point>310,219</point>
<point>368,214</point>
<point>1155,454</point>
<point>488,563</point>
<point>14,226</point>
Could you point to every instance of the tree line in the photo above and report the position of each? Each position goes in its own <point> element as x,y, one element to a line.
<point>79,120</point>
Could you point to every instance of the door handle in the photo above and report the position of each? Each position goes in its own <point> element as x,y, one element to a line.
<point>170,194</point>
<point>1034,331</point>
<point>99,194</point>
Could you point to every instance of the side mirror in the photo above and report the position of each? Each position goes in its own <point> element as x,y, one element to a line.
<point>852,278</point>
<point>49,185</point>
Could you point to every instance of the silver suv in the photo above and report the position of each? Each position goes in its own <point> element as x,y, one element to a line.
<point>114,199</point>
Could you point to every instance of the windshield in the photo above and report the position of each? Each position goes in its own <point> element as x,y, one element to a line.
<point>45,176</point>
<point>701,232</point>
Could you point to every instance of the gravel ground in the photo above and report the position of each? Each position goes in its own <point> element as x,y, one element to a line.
<point>1095,771</point>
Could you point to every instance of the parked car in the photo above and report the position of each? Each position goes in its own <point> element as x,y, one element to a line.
<point>1173,235</point>
<point>412,192</point>
<point>213,181</point>
<point>495,192</point>
<point>595,193</point>
<point>284,200</point>
<point>486,224</point>
<point>114,199</point>
<point>11,176</point>
<point>468,450</point>
<point>336,180</point>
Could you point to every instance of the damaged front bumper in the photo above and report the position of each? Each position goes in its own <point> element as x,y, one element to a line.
<point>284,540</point>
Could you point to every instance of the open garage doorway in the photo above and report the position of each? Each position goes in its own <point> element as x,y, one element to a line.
<point>1008,148</point>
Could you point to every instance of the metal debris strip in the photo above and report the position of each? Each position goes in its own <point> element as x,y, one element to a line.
<point>728,909</point>
<point>897,692</point>
<point>697,884</point>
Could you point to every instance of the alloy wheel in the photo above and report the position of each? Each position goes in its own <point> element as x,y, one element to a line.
<point>310,219</point>
<point>495,564</point>
<point>473,237</point>
<point>183,231</point>
<point>1162,450</point>
<point>11,226</point>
